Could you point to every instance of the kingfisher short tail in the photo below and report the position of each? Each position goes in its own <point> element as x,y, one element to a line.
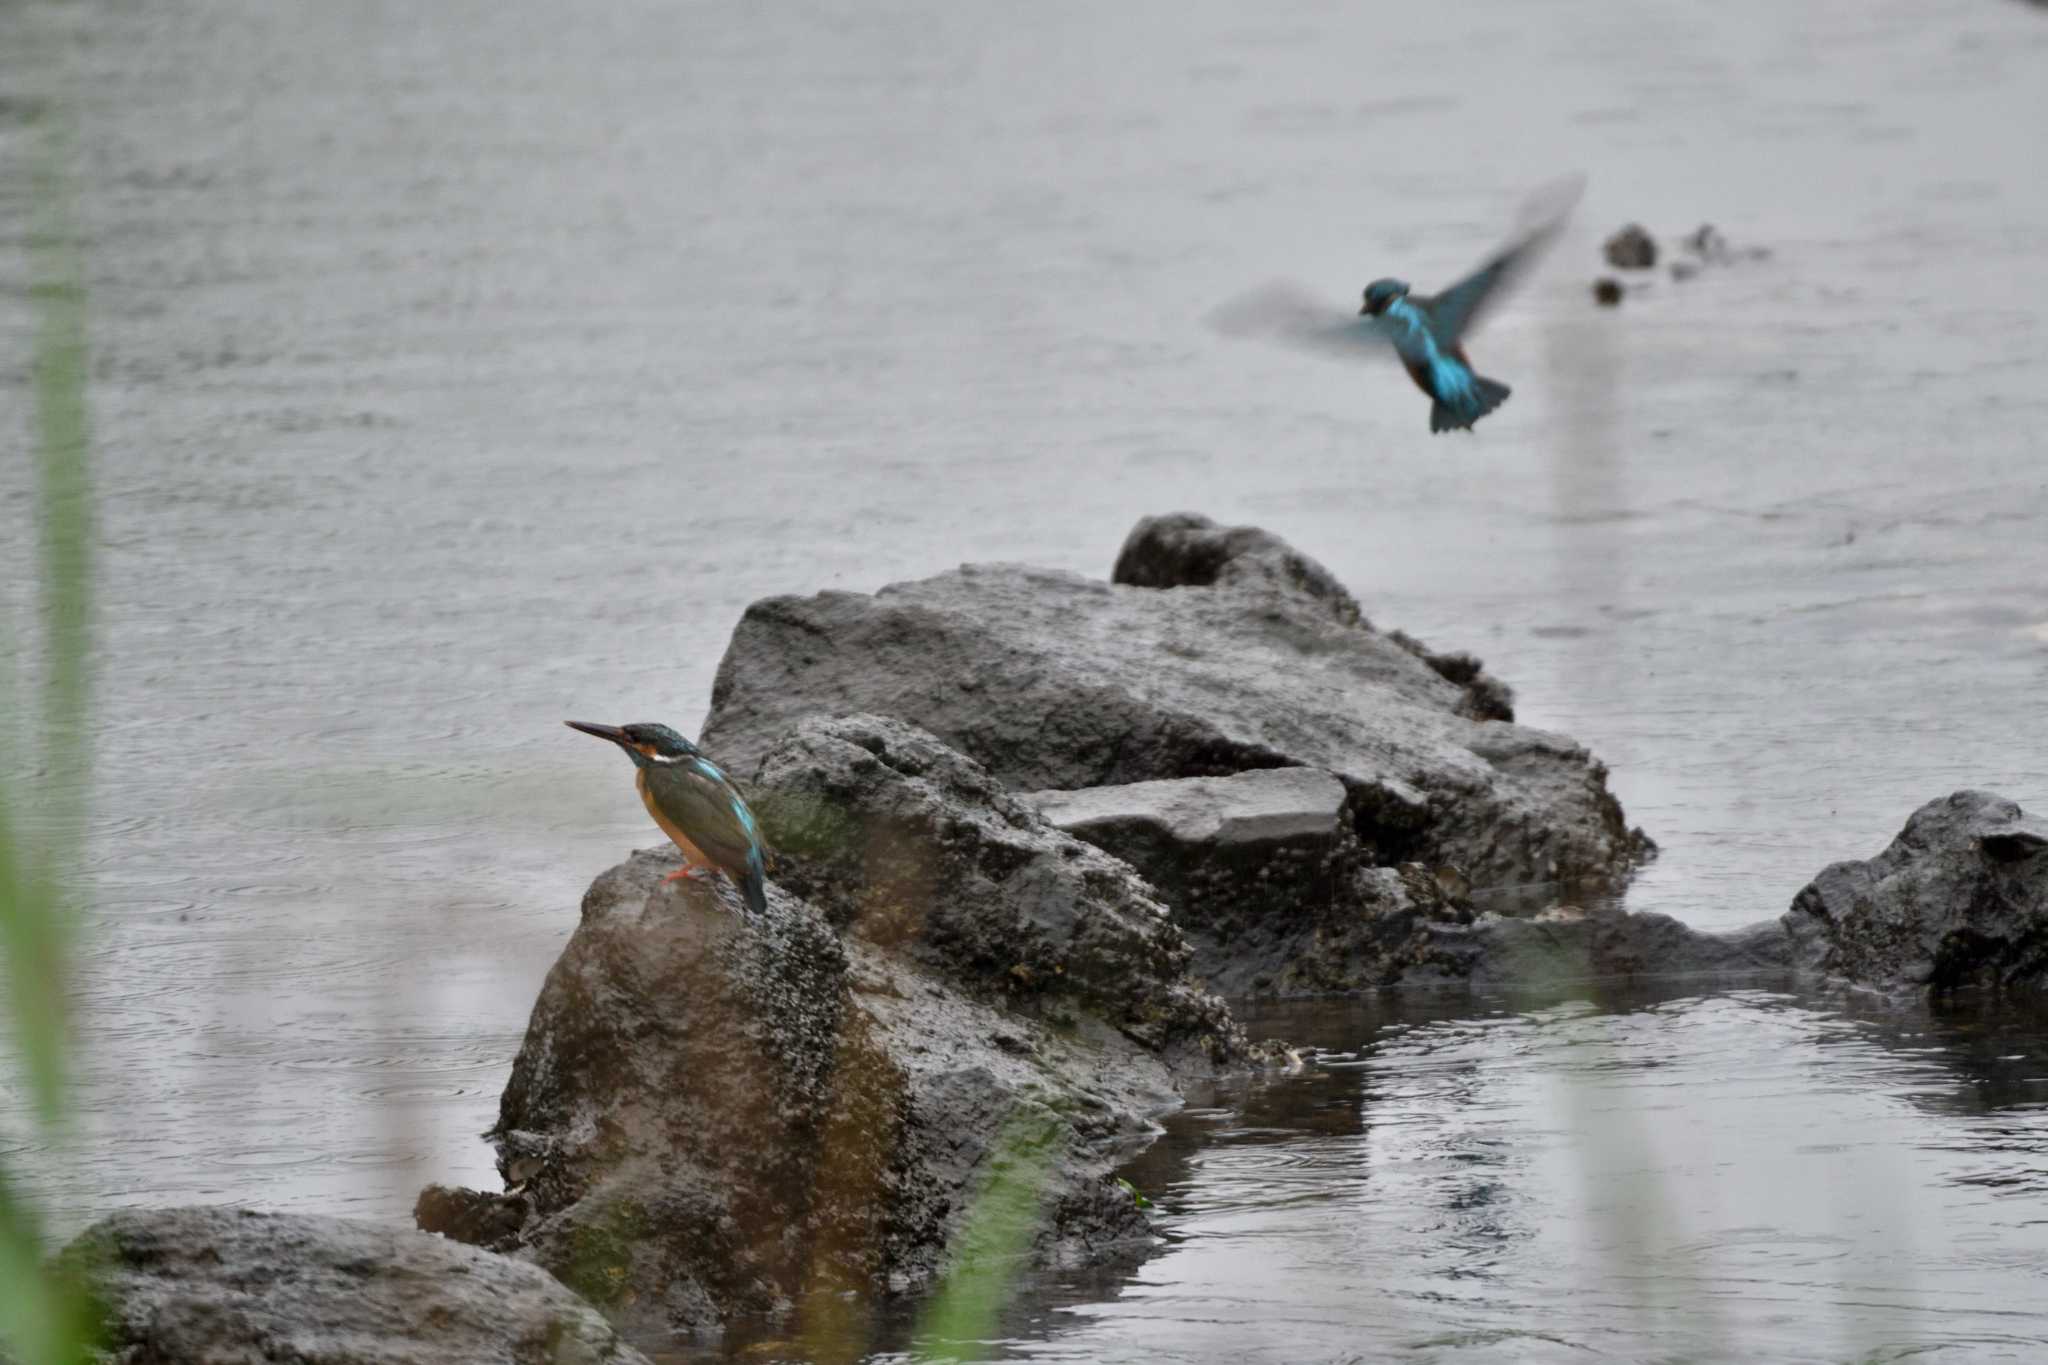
<point>754,886</point>
<point>1487,394</point>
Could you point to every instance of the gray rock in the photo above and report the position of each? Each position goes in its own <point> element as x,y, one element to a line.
<point>1959,899</point>
<point>1055,681</point>
<point>1266,884</point>
<point>223,1286</point>
<point>1486,697</point>
<point>1187,550</point>
<point>1632,248</point>
<point>914,846</point>
<point>665,1119</point>
<point>475,1217</point>
<point>1252,864</point>
<point>1572,944</point>
<point>715,1117</point>
<point>1256,808</point>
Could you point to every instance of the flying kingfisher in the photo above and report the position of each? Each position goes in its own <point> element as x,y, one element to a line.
<point>1426,332</point>
<point>695,804</point>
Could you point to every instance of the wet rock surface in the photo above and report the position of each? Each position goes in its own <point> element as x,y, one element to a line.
<point>1240,656</point>
<point>1051,680</point>
<point>1959,899</point>
<point>1570,944</point>
<point>1245,810</point>
<point>668,1113</point>
<point>716,1117</point>
<point>911,845</point>
<point>1250,862</point>
<point>232,1285</point>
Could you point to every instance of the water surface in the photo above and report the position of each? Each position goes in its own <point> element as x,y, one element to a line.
<point>459,368</point>
<point>1742,1175</point>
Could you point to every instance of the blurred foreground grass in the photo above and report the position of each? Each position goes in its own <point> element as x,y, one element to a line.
<point>989,1253</point>
<point>44,774</point>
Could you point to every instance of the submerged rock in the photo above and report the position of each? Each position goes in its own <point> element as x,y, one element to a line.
<point>231,1285</point>
<point>1570,944</point>
<point>1712,248</point>
<point>1959,899</point>
<point>715,1117</point>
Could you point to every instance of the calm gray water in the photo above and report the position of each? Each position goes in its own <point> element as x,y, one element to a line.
<point>463,367</point>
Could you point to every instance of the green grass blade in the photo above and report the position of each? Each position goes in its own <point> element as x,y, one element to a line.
<point>37,874</point>
<point>992,1244</point>
<point>43,1311</point>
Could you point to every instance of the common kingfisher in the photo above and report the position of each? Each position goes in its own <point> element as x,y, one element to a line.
<point>695,804</point>
<point>1426,332</point>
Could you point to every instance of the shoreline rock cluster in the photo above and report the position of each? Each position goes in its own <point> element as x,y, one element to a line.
<point>1031,829</point>
<point>716,1117</point>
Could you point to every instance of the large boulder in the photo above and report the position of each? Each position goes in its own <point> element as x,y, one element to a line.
<point>1960,898</point>
<point>1226,655</point>
<point>716,1116</point>
<point>914,846</point>
<point>200,1285</point>
<point>1051,680</point>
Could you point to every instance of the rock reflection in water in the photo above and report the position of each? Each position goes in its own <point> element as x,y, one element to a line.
<point>1744,1175</point>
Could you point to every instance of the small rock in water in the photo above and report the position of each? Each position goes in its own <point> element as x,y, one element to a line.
<point>1607,292</point>
<point>1707,243</point>
<point>472,1217</point>
<point>227,1284</point>
<point>1684,270</point>
<point>1959,899</point>
<point>1712,248</point>
<point>1632,248</point>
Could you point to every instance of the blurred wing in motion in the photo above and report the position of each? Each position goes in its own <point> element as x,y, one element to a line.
<point>1290,314</point>
<point>1461,307</point>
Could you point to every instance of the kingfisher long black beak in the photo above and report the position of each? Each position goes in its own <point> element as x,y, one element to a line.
<point>610,732</point>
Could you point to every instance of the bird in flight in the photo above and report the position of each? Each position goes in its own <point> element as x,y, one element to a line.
<point>1427,332</point>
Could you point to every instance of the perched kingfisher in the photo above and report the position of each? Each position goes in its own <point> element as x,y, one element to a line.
<point>695,804</point>
<point>1426,332</point>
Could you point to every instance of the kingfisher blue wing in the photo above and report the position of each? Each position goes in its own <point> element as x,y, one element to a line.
<point>1461,307</point>
<point>702,802</point>
<point>1288,313</point>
